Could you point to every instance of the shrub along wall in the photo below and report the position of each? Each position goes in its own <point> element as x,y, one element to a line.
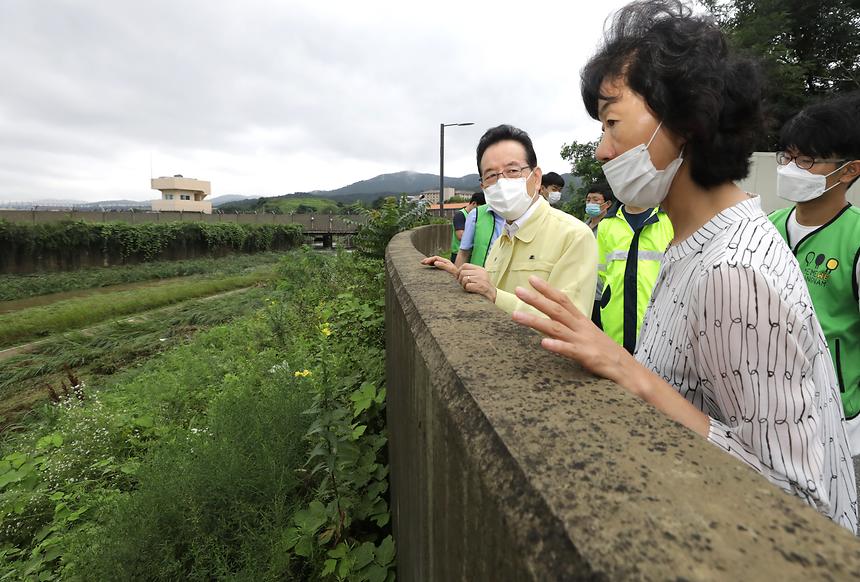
<point>26,248</point>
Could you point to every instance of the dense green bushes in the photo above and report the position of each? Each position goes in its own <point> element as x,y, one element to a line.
<point>255,452</point>
<point>72,244</point>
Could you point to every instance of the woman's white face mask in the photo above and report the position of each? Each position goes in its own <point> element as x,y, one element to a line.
<point>634,179</point>
<point>799,185</point>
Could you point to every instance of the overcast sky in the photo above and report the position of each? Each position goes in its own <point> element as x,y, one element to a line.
<point>268,98</point>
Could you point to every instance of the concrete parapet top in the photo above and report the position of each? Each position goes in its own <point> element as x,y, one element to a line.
<point>590,481</point>
<point>181,183</point>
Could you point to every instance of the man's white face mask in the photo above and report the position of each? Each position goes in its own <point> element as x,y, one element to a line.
<point>799,185</point>
<point>553,197</point>
<point>509,197</point>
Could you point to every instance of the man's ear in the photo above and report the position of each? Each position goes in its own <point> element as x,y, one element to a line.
<point>851,171</point>
<point>538,175</point>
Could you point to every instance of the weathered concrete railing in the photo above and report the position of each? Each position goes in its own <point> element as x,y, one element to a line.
<point>509,463</point>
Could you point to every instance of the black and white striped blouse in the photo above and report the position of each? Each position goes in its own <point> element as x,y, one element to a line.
<point>731,327</point>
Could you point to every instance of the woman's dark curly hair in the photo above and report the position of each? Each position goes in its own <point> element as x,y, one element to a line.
<point>681,65</point>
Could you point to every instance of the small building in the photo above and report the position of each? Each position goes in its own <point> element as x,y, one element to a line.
<point>181,194</point>
<point>432,196</point>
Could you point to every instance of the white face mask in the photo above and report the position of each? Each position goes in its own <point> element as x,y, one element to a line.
<point>553,197</point>
<point>799,185</point>
<point>635,180</point>
<point>509,198</point>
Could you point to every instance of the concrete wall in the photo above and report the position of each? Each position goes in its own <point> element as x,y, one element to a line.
<point>509,463</point>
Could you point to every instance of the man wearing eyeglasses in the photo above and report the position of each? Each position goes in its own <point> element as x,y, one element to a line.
<point>819,162</point>
<point>536,239</point>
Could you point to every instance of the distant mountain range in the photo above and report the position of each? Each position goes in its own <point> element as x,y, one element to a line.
<point>363,190</point>
<point>382,185</point>
<point>58,204</point>
<point>371,189</point>
<point>397,183</point>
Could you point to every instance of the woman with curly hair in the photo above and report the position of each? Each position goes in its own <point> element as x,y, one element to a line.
<point>730,346</point>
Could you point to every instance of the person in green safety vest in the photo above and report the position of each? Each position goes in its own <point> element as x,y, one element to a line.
<point>483,227</point>
<point>458,224</point>
<point>819,160</point>
<point>630,245</point>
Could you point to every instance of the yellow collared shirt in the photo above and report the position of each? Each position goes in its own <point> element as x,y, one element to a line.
<point>549,244</point>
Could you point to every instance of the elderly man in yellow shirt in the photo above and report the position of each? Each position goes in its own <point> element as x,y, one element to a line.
<point>536,240</point>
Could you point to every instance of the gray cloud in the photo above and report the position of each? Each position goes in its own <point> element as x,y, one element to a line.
<point>266,98</point>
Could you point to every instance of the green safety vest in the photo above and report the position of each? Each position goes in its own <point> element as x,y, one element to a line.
<point>455,242</point>
<point>485,224</point>
<point>828,258</point>
<point>624,286</point>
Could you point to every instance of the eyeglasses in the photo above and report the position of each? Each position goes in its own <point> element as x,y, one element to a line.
<point>803,162</point>
<point>510,173</point>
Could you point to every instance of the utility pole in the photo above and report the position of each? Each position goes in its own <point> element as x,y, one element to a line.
<point>442,127</point>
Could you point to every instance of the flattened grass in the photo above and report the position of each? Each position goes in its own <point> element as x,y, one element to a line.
<point>109,349</point>
<point>14,287</point>
<point>27,324</point>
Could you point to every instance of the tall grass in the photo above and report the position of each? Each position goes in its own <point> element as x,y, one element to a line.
<point>14,287</point>
<point>213,506</point>
<point>76,313</point>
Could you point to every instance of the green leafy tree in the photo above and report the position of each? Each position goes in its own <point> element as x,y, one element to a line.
<point>394,215</point>
<point>584,166</point>
<point>808,49</point>
<point>306,209</point>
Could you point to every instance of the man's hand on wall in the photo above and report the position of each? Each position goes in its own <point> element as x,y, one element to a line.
<point>475,279</point>
<point>441,263</point>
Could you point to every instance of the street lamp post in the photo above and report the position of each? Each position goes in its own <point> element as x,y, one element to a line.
<point>442,127</point>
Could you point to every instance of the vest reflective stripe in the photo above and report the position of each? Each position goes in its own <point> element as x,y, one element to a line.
<point>828,259</point>
<point>643,256</point>
<point>455,242</point>
<point>627,285</point>
<point>616,256</point>
<point>485,224</point>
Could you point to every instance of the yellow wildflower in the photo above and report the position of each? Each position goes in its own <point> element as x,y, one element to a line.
<point>303,374</point>
<point>325,329</point>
